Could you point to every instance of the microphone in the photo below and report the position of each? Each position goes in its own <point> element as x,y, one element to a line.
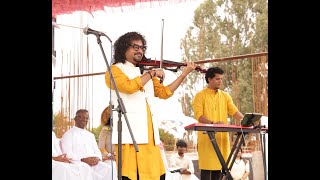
<point>87,31</point>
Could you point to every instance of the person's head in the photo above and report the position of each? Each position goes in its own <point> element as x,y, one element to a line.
<point>214,76</point>
<point>105,117</point>
<point>181,146</point>
<point>81,119</point>
<point>131,47</point>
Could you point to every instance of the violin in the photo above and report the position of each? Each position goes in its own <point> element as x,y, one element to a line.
<point>148,64</point>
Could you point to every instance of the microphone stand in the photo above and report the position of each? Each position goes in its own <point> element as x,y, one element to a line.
<point>121,110</point>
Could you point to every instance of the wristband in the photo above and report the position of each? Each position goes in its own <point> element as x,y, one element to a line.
<point>149,74</point>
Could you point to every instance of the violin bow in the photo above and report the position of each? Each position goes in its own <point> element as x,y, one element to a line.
<point>161,50</point>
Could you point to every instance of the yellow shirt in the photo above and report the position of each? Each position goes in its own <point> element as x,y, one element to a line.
<point>147,162</point>
<point>215,107</point>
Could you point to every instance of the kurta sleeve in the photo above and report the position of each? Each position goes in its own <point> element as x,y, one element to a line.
<point>172,162</point>
<point>95,147</point>
<point>190,166</point>
<point>66,146</point>
<point>232,109</point>
<point>123,83</point>
<point>163,92</point>
<point>197,105</point>
<point>55,143</point>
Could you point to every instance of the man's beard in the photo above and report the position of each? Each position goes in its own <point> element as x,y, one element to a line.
<point>137,59</point>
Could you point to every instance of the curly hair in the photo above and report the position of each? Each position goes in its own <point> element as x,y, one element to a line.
<point>211,72</point>
<point>123,43</point>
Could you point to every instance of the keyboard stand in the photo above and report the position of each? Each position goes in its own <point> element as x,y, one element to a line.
<point>263,150</point>
<point>225,173</point>
<point>211,129</point>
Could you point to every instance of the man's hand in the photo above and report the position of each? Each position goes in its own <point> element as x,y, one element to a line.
<point>110,156</point>
<point>190,66</point>
<point>184,171</point>
<point>219,122</point>
<point>62,158</point>
<point>91,161</point>
<point>158,73</point>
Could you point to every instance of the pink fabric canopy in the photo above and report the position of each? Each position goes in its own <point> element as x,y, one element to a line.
<point>70,6</point>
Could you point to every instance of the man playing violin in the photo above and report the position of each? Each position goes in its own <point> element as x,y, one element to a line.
<point>134,89</point>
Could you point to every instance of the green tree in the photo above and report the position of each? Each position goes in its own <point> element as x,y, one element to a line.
<point>167,139</point>
<point>61,123</point>
<point>96,131</point>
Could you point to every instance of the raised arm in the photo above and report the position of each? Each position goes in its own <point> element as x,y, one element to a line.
<point>176,83</point>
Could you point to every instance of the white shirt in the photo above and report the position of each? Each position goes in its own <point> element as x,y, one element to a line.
<point>79,143</point>
<point>177,162</point>
<point>239,168</point>
<point>56,151</point>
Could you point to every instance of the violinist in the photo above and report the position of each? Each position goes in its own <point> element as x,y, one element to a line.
<point>134,89</point>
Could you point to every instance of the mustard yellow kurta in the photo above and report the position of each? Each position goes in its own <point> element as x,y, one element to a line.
<point>147,162</point>
<point>215,107</point>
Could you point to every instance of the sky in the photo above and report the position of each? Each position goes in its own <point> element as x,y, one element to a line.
<point>173,19</point>
<point>176,19</point>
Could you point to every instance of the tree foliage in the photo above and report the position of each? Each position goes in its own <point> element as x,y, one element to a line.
<point>167,139</point>
<point>61,123</point>
<point>96,131</point>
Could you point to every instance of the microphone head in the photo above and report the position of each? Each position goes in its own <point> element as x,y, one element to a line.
<point>88,31</point>
<point>85,30</point>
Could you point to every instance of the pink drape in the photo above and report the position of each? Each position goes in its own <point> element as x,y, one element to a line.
<point>69,6</point>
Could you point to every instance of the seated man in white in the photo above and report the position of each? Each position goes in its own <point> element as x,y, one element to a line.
<point>182,164</point>
<point>80,145</point>
<point>63,168</point>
